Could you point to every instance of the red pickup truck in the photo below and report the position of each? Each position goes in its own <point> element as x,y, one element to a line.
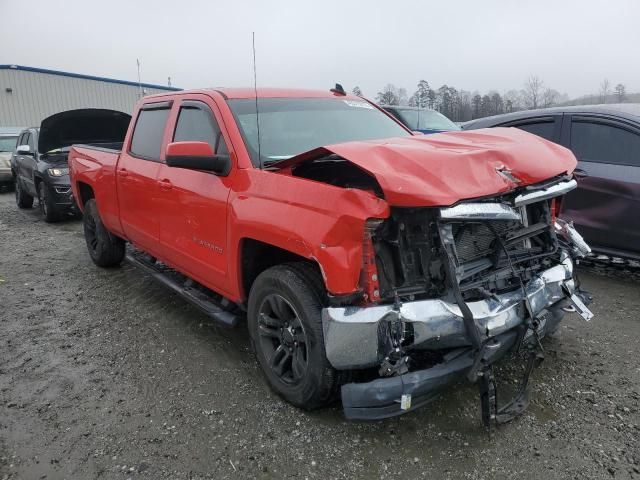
<point>366,260</point>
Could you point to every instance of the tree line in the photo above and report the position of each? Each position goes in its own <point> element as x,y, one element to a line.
<point>462,105</point>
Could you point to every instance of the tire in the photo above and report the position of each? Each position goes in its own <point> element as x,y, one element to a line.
<point>23,199</point>
<point>105,249</point>
<point>285,325</point>
<point>47,206</point>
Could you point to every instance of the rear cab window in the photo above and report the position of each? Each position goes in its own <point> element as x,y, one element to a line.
<point>148,133</point>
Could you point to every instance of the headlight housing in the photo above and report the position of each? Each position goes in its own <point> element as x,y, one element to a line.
<point>58,172</point>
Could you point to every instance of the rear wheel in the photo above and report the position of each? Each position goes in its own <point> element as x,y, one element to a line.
<point>285,325</point>
<point>23,199</point>
<point>105,249</point>
<point>47,206</point>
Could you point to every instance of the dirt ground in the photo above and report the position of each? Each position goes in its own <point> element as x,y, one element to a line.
<point>105,374</point>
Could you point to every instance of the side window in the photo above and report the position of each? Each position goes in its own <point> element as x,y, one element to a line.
<point>604,143</point>
<point>26,140</point>
<point>32,142</point>
<point>197,123</point>
<point>545,129</point>
<point>147,135</point>
<point>22,140</point>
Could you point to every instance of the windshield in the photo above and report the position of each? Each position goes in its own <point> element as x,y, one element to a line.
<point>289,126</point>
<point>8,144</point>
<point>425,120</point>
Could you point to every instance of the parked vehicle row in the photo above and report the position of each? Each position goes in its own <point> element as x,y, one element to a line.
<point>8,141</point>
<point>369,263</point>
<point>606,141</point>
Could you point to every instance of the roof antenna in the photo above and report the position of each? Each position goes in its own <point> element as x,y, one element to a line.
<point>338,90</point>
<point>139,83</point>
<point>255,89</point>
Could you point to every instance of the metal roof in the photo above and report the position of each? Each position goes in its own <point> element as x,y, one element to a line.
<point>86,77</point>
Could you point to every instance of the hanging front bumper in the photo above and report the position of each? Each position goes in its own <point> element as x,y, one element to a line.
<point>351,333</point>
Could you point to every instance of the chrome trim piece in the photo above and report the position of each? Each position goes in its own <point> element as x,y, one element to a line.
<point>549,192</point>
<point>480,211</point>
<point>351,333</point>
<point>580,247</point>
<point>62,190</point>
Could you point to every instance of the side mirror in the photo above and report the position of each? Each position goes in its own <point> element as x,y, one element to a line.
<point>197,156</point>
<point>24,150</point>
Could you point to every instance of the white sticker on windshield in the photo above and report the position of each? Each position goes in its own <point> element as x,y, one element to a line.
<point>357,104</point>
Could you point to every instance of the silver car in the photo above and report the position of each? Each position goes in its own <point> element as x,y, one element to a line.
<point>8,140</point>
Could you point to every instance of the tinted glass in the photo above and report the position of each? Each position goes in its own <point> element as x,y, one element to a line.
<point>599,142</point>
<point>28,140</point>
<point>8,144</point>
<point>542,129</point>
<point>198,124</point>
<point>424,119</point>
<point>289,126</point>
<point>147,136</point>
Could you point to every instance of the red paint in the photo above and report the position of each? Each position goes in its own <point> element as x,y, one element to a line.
<point>444,168</point>
<point>197,222</point>
<point>189,149</point>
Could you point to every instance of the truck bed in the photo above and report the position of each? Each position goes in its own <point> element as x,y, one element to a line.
<point>95,165</point>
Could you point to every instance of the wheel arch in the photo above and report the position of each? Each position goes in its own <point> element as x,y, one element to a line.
<point>85,193</point>
<point>256,256</point>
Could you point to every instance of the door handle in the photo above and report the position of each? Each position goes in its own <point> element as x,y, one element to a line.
<point>165,184</point>
<point>123,172</point>
<point>578,172</point>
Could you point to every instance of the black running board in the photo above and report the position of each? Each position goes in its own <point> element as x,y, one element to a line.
<point>193,295</point>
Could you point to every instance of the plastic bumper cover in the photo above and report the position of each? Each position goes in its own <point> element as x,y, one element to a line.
<point>381,398</point>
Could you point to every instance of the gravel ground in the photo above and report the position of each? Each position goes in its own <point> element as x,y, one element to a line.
<point>104,374</point>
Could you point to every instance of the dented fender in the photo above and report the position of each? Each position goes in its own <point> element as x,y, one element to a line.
<point>317,221</point>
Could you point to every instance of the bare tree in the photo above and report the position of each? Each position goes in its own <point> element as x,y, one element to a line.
<point>356,91</point>
<point>605,90</point>
<point>532,93</point>
<point>465,110</point>
<point>388,95</point>
<point>402,96</point>
<point>476,104</point>
<point>549,97</point>
<point>621,93</point>
<point>512,101</point>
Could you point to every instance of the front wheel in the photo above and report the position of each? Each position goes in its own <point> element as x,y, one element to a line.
<point>47,206</point>
<point>105,249</point>
<point>285,325</point>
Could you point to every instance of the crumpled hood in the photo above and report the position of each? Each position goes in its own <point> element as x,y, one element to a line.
<point>444,168</point>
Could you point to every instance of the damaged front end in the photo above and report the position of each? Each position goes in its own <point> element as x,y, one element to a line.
<point>452,291</point>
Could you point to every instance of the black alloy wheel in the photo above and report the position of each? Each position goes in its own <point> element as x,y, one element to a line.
<point>283,338</point>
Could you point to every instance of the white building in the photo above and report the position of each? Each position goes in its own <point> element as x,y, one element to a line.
<point>28,95</point>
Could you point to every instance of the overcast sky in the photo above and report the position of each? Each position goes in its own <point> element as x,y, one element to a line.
<point>472,45</point>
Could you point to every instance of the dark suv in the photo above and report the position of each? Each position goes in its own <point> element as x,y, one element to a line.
<point>606,141</point>
<point>39,163</point>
